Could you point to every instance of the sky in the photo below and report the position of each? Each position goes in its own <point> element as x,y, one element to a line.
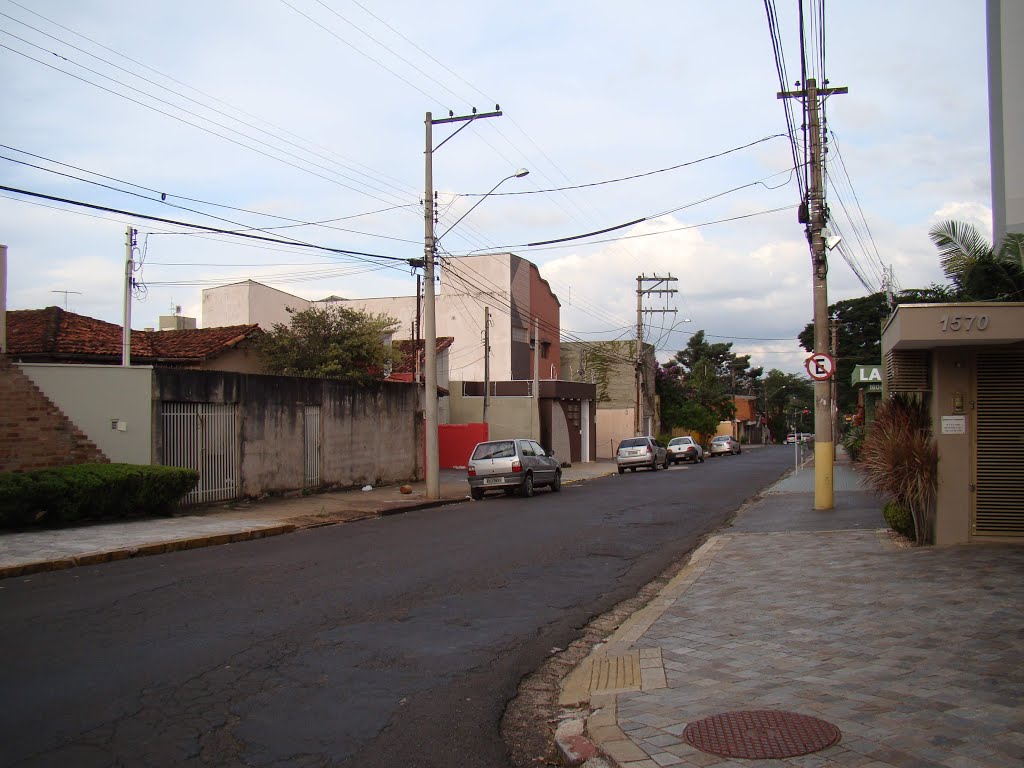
<point>304,120</point>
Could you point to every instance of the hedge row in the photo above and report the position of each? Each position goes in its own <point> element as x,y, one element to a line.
<point>83,492</point>
<point>899,519</point>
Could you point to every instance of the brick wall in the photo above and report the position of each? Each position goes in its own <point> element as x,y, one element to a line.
<point>34,433</point>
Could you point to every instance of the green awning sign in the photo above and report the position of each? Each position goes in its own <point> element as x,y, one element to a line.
<point>866,374</point>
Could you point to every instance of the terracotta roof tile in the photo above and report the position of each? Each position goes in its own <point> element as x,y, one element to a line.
<point>54,333</point>
<point>406,363</point>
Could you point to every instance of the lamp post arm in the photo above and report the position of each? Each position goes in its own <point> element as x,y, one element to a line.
<point>472,208</point>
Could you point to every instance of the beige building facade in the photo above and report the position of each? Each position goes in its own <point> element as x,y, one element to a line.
<point>967,361</point>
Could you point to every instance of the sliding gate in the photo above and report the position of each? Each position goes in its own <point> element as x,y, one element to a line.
<point>203,437</point>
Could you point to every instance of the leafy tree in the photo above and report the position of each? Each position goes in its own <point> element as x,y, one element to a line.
<point>976,270</point>
<point>786,396</point>
<point>696,386</point>
<point>859,336</point>
<point>333,342</point>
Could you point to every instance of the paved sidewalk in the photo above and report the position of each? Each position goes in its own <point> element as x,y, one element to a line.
<point>26,552</point>
<point>913,654</point>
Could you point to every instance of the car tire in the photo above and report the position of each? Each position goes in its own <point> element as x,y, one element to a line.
<point>556,484</point>
<point>632,469</point>
<point>476,493</point>
<point>700,460</point>
<point>526,489</point>
<point>622,470</point>
<point>665,465</point>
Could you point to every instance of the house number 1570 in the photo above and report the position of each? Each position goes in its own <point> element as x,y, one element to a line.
<point>963,322</point>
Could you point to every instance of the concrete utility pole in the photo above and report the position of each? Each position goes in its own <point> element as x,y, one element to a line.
<point>816,219</point>
<point>834,327</point>
<point>487,361</point>
<point>639,423</point>
<point>432,468</point>
<point>129,268</point>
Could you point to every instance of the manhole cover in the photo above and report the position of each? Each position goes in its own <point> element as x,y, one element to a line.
<point>761,734</point>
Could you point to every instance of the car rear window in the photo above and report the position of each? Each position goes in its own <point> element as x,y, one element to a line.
<point>721,439</point>
<point>504,449</point>
<point>633,442</point>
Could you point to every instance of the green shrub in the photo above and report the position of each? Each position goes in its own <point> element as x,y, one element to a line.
<point>63,495</point>
<point>853,442</point>
<point>899,519</point>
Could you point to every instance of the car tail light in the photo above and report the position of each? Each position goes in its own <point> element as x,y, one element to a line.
<point>649,449</point>
<point>516,466</point>
<point>471,470</point>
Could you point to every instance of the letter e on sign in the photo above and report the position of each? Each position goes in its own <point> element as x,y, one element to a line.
<point>819,366</point>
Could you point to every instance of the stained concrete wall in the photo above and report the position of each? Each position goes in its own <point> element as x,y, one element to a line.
<point>111,404</point>
<point>506,416</point>
<point>369,434</point>
<point>613,425</point>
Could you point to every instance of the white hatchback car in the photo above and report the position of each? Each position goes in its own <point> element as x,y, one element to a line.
<point>685,449</point>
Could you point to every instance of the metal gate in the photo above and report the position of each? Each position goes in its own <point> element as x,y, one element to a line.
<point>999,457</point>
<point>311,414</point>
<point>202,436</point>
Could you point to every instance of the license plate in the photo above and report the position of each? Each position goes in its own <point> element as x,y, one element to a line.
<point>493,480</point>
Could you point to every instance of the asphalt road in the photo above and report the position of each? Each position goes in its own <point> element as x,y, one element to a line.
<point>389,642</point>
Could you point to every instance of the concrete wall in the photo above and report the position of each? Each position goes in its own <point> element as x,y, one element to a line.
<point>34,432</point>
<point>248,302</point>
<point>952,371</point>
<point>1005,20</point>
<point>370,434</point>
<point>506,416</point>
<point>111,404</point>
<point>613,426</point>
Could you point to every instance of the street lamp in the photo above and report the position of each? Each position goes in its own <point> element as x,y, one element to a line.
<point>517,175</point>
<point>432,469</point>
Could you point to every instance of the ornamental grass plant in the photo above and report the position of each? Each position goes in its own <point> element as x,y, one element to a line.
<point>900,459</point>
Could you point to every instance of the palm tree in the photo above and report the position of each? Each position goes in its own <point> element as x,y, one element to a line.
<point>976,270</point>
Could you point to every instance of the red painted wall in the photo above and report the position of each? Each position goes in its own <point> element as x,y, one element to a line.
<point>545,306</point>
<point>455,442</point>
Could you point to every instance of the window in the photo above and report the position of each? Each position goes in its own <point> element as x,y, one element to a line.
<point>526,448</point>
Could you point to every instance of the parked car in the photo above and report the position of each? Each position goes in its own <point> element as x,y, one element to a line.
<point>684,449</point>
<point>513,466</point>
<point>791,438</point>
<point>724,444</point>
<point>644,451</point>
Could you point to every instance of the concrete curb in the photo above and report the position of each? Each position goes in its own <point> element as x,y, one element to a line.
<point>145,550</point>
<point>601,731</point>
<point>197,542</point>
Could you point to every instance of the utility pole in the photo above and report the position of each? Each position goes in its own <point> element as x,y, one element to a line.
<point>129,268</point>
<point>487,361</point>
<point>535,416</point>
<point>639,422</point>
<point>432,468</point>
<point>815,220</point>
<point>834,326</point>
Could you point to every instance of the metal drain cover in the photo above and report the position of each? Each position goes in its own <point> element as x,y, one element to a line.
<point>761,734</point>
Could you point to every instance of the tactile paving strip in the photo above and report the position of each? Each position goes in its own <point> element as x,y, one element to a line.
<point>761,734</point>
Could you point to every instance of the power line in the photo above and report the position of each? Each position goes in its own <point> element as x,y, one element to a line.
<point>202,227</point>
<point>381,177</point>
<point>196,125</point>
<point>627,178</point>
